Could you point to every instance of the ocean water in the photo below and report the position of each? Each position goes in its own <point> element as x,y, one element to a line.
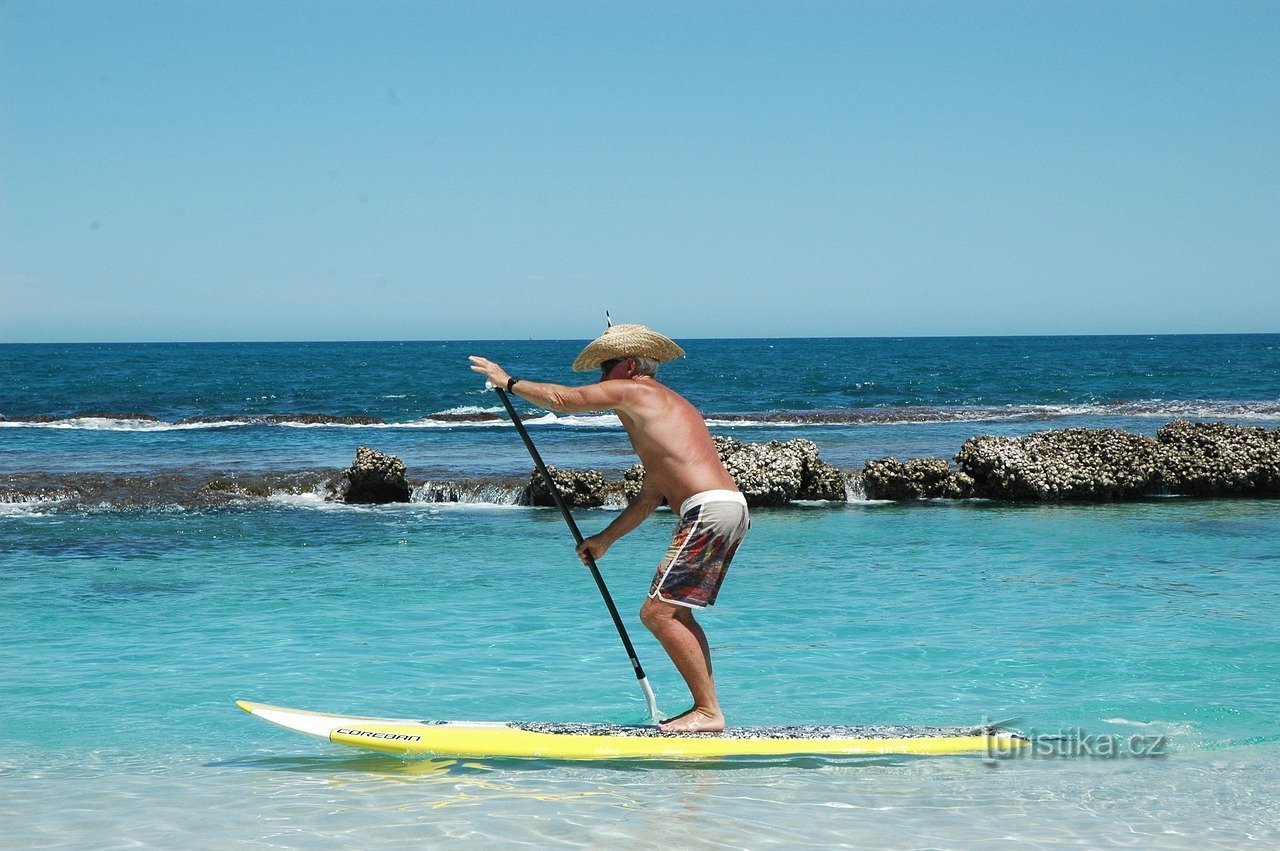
<point>138,602</point>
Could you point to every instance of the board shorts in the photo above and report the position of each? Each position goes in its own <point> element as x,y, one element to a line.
<point>712,524</point>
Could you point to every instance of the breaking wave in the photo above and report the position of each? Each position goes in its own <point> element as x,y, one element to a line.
<point>1153,409</point>
<point>470,416</point>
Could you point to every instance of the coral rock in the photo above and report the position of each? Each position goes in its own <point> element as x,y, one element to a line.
<point>580,488</point>
<point>918,478</point>
<point>1062,465</point>
<point>375,477</point>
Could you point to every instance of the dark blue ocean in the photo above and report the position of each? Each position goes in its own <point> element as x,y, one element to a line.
<point>204,405</point>
<point>165,549</point>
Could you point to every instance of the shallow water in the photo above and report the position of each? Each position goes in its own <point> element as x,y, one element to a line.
<point>129,634</point>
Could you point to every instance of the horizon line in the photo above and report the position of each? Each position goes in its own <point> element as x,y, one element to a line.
<point>211,342</point>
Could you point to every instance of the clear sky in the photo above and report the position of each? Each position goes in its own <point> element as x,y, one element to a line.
<point>371,170</point>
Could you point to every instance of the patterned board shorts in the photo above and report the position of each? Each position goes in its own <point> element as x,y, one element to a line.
<point>712,525</point>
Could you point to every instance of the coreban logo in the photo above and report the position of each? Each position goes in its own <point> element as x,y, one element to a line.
<point>370,734</point>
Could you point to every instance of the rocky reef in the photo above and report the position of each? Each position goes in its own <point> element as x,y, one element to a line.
<point>918,478</point>
<point>768,474</point>
<point>1218,459</point>
<point>580,488</point>
<point>1059,465</point>
<point>375,477</point>
<point>1064,465</point>
<point>777,472</point>
<point>1092,465</point>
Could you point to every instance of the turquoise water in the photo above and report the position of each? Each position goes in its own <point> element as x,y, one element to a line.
<point>125,643</point>
<point>129,629</point>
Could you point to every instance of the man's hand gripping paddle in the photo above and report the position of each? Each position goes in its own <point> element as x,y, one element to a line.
<point>591,562</point>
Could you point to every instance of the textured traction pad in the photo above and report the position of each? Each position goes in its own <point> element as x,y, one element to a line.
<point>803,731</point>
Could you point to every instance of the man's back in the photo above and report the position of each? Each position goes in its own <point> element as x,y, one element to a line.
<point>671,439</point>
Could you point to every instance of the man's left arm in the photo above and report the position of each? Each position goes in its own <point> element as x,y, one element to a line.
<point>632,516</point>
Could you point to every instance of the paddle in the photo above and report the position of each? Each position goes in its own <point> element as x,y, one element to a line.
<point>591,562</point>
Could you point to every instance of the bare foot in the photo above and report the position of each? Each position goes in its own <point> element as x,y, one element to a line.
<point>695,720</point>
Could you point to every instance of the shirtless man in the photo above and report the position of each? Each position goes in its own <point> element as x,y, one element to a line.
<point>681,465</point>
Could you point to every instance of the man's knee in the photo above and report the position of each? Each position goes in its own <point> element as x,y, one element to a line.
<point>655,614</point>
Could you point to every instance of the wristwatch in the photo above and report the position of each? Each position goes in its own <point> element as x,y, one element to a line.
<point>511,382</point>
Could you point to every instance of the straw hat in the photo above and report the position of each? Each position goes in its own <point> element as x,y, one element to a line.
<point>622,341</point>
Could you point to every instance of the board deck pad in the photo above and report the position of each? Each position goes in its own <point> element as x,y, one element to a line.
<point>587,741</point>
<point>797,731</point>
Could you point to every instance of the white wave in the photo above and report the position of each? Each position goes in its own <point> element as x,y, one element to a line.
<point>1183,732</point>
<point>464,410</point>
<point>309,500</point>
<point>437,507</point>
<point>1262,411</point>
<point>577,420</point>
<point>108,424</point>
<point>449,418</point>
<point>546,419</point>
<point>465,493</point>
<point>31,505</point>
<point>317,502</point>
<point>1156,408</point>
<point>24,509</point>
<point>1144,409</point>
<point>1183,727</point>
<point>431,422</point>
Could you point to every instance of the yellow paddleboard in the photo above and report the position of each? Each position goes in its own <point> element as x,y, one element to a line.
<point>614,741</point>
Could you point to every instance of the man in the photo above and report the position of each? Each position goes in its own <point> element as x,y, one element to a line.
<point>681,465</point>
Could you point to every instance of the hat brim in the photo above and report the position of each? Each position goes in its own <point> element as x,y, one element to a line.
<point>623,341</point>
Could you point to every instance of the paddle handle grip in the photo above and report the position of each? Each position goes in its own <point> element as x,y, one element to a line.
<point>650,700</point>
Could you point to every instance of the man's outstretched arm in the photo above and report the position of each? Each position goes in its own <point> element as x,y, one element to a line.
<point>557,397</point>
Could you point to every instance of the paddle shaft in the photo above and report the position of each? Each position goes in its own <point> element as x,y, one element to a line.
<point>591,562</point>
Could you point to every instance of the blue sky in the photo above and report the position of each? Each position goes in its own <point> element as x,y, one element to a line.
<point>311,170</point>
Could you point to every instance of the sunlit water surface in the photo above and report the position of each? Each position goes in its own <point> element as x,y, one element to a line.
<point>126,636</point>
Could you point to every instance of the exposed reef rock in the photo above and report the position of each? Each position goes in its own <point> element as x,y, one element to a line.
<point>1061,465</point>
<point>163,488</point>
<point>90,415</point>
<point>818,479</point>
<point>918,478</point>
<point>1199,460</point>
<point>632,482</point>
<point>473,417</point>
<point>768,474</point>
<point>1093,465</point>
<point>780,471</point>
<point>323,419</point>
<point>375,477</point>
<point>580,488</point>
<point>1218,459</point>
